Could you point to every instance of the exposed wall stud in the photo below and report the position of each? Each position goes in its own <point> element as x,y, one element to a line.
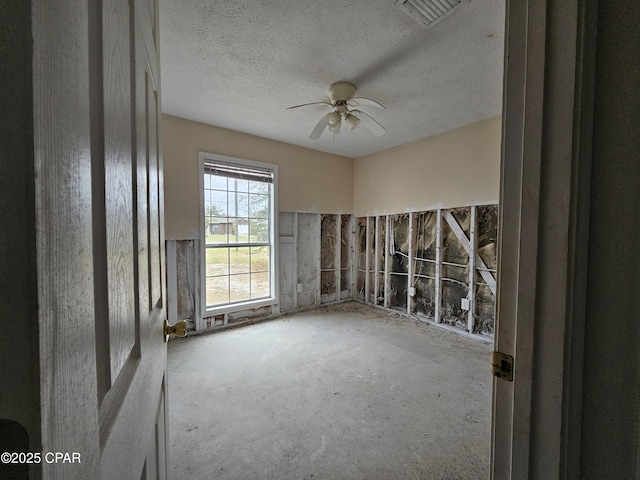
<point>438,285</point>
<point>387,260</point>
<point>337,257</point>
<point>360,258</point>
<point>295,259</point>
<point>347,256</point>
<point>318,245</point>
<point>197,252</point>
<point>377,261</point>
<point>367,262</point>
<point>472,272</point>
<point>354,262</point>
<point>410,267</point>
<point>352,255</point>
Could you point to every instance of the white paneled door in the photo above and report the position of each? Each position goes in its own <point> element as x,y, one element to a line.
<point>100,240</point>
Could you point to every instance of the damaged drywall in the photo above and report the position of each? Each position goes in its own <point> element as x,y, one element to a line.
<point>455,271</point>
<point>439,265</point>
<point>380,259</point>
<point>424,254</point>
<point>308,284</point>
<point>183,277</point>
<point>328,245</point>
<point>184,273</point>
<point>371,260</point>
<point>399,261</point>
<point>488,251</point>
<point>361,257</point>
<point>346,255</point>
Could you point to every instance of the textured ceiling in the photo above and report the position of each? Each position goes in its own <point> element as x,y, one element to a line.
<point>238,64</point>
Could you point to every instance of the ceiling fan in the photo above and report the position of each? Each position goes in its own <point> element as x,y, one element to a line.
<point>344,103</point>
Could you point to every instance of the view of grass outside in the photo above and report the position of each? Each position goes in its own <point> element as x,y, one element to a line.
<point>237,273</point>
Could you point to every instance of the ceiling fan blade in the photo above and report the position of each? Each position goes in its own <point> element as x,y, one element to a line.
<point>367,102</point>
<point>312,103</point>
<point>319,128</point>
<point>370,123</point>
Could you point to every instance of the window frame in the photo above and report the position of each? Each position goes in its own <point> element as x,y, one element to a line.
<point>272,300</point>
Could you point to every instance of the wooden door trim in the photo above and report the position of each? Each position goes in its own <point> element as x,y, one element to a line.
<point>544,206</point>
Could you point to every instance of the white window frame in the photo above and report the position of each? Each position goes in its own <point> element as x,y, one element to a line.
<point>205,157</point>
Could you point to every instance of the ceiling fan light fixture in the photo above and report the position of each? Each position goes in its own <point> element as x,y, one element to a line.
<point>333,119</point>
<point>352,121</point>
<point>335,128</point>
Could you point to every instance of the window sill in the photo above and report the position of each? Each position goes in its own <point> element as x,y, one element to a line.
<point>236,307</point>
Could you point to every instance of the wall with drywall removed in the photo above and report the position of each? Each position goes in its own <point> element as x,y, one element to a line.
<point>310,181</point>
<point>454,169</point>
<point>460,167</point>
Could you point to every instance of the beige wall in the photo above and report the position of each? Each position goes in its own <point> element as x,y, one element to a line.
<point>309,181</point>
<point>455,168</point>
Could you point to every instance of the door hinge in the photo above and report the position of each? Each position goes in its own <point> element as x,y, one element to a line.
<point>502,365</point>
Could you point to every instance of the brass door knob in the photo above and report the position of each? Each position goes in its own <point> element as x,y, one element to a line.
<point>179,329</point>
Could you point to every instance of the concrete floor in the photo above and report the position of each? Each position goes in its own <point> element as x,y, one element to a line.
<point>343,392</point>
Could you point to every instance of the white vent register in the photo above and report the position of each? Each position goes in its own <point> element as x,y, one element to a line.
<point>429,12</point>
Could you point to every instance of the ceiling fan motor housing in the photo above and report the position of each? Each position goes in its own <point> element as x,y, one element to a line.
<point>341,91</point>
<point>342,110</point>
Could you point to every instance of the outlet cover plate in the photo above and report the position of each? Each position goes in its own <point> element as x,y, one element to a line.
<point>464,304</point>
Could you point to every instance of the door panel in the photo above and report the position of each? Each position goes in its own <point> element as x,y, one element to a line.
<point>119,207</point>
<point>159,444</point>
<point>64,263</point>
<point>155,465</point>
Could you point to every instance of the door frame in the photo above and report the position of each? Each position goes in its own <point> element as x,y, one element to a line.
<point>549,73</point>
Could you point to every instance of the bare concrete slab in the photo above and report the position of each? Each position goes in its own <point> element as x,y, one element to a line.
<point>343,392</point>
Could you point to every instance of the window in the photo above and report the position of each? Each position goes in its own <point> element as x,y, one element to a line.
<point>238,204</point>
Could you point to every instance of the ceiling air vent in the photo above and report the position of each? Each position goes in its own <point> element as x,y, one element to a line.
<point>429,12</point>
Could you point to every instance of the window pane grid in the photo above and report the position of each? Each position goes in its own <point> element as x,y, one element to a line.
<point>237,222</point>
<point>254,284</point>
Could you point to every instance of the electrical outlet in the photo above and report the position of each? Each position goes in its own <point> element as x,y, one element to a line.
<point>465,304</point>
<point>299,287</point>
